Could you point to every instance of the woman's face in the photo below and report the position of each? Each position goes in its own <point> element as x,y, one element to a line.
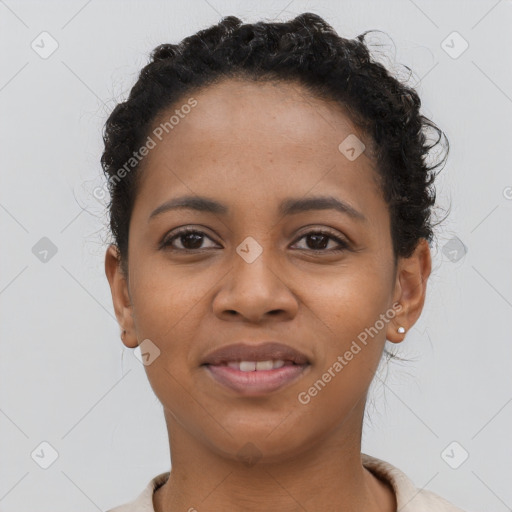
<point>255,273</point>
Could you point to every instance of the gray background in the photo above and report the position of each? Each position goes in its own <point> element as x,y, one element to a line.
<point>66,378</point>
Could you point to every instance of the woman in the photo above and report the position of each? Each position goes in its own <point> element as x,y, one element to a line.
<point>271,213</point>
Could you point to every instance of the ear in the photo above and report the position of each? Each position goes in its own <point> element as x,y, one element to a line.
<point>410,290</point>
<point>120,295</point>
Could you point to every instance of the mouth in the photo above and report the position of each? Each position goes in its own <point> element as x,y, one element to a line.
<point>255,370</point>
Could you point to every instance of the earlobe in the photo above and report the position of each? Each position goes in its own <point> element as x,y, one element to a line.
<point>398,326</point>
<point>120,296</point>
<point>410,290</point>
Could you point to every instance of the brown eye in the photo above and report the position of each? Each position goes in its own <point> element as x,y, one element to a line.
<point>190,239</point>
<point>193,240</point>
<point>319,240</point>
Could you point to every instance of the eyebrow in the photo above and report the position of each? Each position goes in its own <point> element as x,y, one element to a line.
<point>287,207</point>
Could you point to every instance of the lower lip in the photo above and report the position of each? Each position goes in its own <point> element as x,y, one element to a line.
<point>256,383</point>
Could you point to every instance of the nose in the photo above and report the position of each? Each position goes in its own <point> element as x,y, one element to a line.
<point>255,292</point>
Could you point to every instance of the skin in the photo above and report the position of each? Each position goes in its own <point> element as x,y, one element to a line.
<point>316,301</point>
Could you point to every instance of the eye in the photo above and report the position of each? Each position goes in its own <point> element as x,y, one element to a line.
<point>320,239</point>
<point>190,239</point>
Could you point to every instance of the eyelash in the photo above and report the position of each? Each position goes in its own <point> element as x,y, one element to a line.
<point>167,242</point>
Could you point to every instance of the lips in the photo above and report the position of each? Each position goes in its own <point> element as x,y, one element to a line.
<point>256,370</point>
<point>268,351</point>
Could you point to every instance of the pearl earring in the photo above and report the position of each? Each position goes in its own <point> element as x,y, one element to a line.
<point>401,330</point>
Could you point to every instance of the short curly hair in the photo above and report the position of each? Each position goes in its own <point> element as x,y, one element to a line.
<point>304,50</point>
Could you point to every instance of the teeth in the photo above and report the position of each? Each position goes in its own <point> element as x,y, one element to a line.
<point>251,366</point>
<point>247,366</point>
<point>264,365</point>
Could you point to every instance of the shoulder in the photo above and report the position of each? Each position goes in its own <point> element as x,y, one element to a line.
<point>409,498</point>
<point>144,501</point>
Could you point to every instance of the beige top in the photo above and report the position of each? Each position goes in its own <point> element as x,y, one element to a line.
<point>408,497</point>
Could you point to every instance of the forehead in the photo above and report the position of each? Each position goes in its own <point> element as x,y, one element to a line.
<point>241,111</point>
<point>253,138</point>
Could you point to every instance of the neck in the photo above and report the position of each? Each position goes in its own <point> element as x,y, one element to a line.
<point>323,473</point>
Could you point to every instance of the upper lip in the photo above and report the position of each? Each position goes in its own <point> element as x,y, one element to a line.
<point>269,350</point>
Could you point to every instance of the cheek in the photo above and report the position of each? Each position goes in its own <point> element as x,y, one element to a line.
<point>350,299</point>
<point>349,314</point>
<point>348,355</point>
<point>168,311</point>
<point>164,299</point>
